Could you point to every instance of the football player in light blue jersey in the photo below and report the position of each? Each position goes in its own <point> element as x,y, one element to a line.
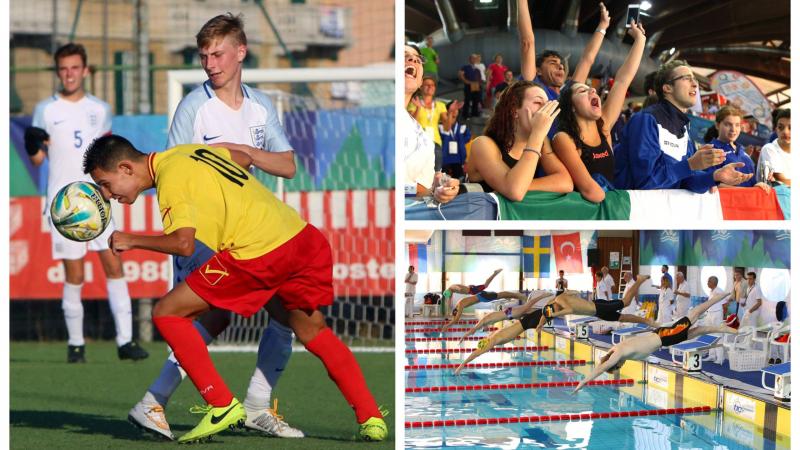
<point>224,112</point>
<point>63,126</point>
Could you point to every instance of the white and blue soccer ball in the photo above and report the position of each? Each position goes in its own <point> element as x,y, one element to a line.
<point>79,212</point>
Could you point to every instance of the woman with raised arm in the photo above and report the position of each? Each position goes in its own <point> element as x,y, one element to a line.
<point>583,142</point>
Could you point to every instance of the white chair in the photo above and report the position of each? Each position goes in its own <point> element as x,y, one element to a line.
<point>781,348</point>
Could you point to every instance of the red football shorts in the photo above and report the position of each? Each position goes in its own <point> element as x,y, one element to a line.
<point>300,271</point>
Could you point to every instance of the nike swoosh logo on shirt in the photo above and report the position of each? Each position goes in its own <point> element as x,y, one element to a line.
<point>216,419</point>
<point>59,121</point>
<point>206,138</point>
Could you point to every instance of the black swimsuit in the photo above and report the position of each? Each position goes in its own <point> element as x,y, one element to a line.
<point>531,320</point>
<point>598,159</point>
<point>675,333</point>
<point>609,311</point>
<point>509,161</point>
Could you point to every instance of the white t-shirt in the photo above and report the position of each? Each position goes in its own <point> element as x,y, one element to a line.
<point>202,118</point>
<point>779,160</point>
<point>411,283</point>
<point>418,149</point>
<point>753,294</point>
<point>603,290</point>
<point>682,302</point>
<point>716,307</point>
<point>609,282</point>
<point>72,127</point>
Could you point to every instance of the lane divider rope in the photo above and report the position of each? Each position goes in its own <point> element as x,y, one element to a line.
<point>470,350</point>
<point>542,385</point>
<point>557,417</point>
<point>566,362</point>
<point>439,330</point>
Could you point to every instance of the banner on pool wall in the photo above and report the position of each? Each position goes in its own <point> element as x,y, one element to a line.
<point>358,224</point>
<point>760,248</point>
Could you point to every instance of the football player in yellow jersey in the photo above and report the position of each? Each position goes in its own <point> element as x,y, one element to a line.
<point>263,248</point>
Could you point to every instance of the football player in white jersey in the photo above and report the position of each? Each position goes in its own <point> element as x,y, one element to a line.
<point>63,127</point>
<point>224,112</point>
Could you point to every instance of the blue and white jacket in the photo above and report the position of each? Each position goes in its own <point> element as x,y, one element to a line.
<point>654,151</point>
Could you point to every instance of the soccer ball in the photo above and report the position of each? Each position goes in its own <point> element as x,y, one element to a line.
<point>79,211</point>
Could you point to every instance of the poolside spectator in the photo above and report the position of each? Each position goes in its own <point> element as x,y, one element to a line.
<point>682,297</point>
<point>752,301</point>
<point>602,289</point>
<point>455,137</point>
<point>666,300</point>
<point>495,75</point>
<point>583,142</point>
<point>656,151</point>
<point>428,111</point>
<point>470,76</point>
<point>714,317</point>
<point>728,126</point>
<point>561,283</point>
<point>776,155</point>
<point>431,65</point>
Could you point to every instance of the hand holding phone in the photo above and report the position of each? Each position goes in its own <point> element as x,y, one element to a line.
<point>633,14</point>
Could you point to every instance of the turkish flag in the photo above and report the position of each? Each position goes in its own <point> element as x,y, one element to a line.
<point>567,248</point>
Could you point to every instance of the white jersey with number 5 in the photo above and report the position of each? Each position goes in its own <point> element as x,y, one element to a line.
<point>72,127</point>
<point>202,118</point>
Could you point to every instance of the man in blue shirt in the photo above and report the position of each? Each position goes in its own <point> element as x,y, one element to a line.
<point>656,151</point>
<point>470,75</point>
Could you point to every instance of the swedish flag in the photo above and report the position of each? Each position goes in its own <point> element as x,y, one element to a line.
<point>536,256</point>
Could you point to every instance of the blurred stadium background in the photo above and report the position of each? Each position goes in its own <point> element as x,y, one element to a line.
<point>343,136</point>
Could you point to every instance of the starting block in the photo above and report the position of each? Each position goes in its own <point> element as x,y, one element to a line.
<point>691,352</point>
<point>782,387</point>
<point>581,327</point>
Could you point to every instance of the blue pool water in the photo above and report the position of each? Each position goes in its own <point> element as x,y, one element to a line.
<point>690,431</point>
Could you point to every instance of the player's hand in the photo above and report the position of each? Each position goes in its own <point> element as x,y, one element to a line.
<point>605,18</point>
<point>707,156</point>
<point>729,175</point>
<point>446,192</point>
<point>543,118</point>
<point>120,241</point>
<point>36,139</point>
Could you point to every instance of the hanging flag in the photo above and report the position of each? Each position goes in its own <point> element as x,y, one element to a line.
<point>536,256</point>
<point>567,249</point>
<point>418,257</point>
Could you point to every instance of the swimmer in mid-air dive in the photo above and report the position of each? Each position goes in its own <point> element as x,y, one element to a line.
<point>470,289</point>
<point>569,303</point>
<point>641,346</point>
<point>480,297</point>
<point>511,313</point>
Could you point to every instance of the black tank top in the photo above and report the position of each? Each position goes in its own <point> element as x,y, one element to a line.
<point>600,158</point>
<point>510,162</point>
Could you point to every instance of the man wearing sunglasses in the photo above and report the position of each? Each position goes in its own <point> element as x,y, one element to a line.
<point>656,151</point>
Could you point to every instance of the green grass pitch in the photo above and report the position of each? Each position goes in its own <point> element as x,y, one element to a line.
<point>60,405</point>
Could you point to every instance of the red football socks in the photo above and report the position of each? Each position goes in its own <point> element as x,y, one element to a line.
<point>344,370</point>
<point>192,353</point>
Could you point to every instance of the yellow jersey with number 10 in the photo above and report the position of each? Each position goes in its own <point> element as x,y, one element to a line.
<point>202,188</point>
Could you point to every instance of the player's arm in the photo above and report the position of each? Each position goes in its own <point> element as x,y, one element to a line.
<point>280,164</point>
<point>581,72</point>
<point>180,242</point>
<point>36,141</point>
<point>613,358</point>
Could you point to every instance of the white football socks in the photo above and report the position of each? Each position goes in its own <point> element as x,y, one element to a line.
<point>171,373</point>
<point>274,351</point>
<point>73,313</point>
<point>120,302</point>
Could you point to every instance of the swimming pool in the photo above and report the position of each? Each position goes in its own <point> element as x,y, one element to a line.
<point>595,418</point>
